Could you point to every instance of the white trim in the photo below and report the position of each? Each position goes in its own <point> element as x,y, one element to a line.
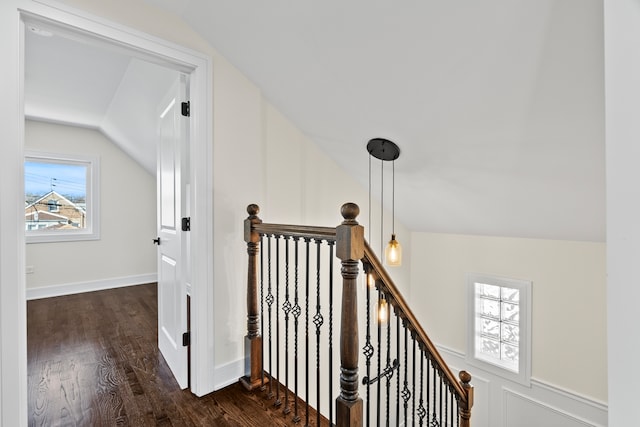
<point>595,403</point>
<point>92,201</point>
<point>229,373</point>
<point>13,325</point>
<point>94,285</point>
<point>152,48</point>
<point>544,406</point>
<point>564,400</point>
<point>523,373</point>
<point>570,394</point>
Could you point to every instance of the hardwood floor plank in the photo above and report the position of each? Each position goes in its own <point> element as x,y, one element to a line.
<point>93,360</point>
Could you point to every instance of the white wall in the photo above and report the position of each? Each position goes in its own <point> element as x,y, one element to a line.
<point>125,252</point>
<point>255,151</point>
<point>622,101</point>
<point>246,128</point>
<point>568,317</point>
<point>305,186</point>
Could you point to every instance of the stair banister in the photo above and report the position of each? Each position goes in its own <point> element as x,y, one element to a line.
<point>350,250</point>
<point>253,340</point>
<point>462,387</point>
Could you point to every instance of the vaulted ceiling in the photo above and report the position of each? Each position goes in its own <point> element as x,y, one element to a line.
<point>497,106</point>
<point>75,80</point>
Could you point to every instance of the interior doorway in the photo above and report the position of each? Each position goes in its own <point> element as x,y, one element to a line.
<point>198,68</point>
<point>74,83</point>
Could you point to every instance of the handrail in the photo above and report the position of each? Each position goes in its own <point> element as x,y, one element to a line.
<point>304,231</point>
<point>352,249</point>
<point>395,298</point>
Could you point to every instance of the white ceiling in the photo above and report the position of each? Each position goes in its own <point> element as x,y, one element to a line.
<point>74,80</point>
<point>497,106</point>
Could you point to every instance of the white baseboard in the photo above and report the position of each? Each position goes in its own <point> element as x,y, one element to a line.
<point>95,285</point>
<point>228,373</point>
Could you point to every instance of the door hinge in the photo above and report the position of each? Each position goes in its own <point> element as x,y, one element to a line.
<point>186,109</point>
<point>186,224</point>
<point>186,339</point>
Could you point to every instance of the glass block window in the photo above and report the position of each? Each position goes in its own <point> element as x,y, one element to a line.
<point>499,325</point>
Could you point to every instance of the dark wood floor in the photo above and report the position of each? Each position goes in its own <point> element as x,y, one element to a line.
<point>93,361</point>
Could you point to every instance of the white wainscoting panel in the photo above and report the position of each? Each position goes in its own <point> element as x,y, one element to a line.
<point>522,411</point>
<point>499,402</point>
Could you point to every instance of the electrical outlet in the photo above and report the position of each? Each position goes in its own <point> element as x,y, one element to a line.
<point>30,269</point>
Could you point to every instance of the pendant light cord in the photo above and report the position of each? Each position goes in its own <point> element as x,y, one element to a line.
<point>369,197</point>
<point>393,197</point>
<point>381,207</point>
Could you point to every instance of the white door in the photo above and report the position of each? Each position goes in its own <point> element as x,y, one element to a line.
<point>172,294</point>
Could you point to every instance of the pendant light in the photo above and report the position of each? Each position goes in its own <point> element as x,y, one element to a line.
<point>383,310</point>
<point>386,151</point>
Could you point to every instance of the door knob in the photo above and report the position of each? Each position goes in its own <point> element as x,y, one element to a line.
<point>157,241</point>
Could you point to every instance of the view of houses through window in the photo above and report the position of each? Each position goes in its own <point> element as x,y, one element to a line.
<point>60,197</point>
<point>55,195</point>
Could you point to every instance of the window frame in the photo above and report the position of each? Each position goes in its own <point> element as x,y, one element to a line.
<point>523,373</point>
<point>92,199</point>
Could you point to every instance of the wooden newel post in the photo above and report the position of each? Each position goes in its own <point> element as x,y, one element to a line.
<point>253,340</point>
<point>350,250</point>
<point>465,409</point>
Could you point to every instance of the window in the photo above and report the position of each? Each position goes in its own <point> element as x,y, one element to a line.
<point>61,197</point>
<point>499,326</point>
<point>53,206</point>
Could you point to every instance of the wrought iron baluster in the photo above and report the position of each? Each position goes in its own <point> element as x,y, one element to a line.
<point>446,401</point>
<point>262,386</point>
<point>368,351</point>
<point>421,411</point>
<point>389,377</point>
<point>406,394</point>
<point>318,321</point>
<point>269,306</point>
<point>398,381</point>
<point>306,311</point>
<point>277,402</point>
<point>434,421</point>
<point>413,385</point>
<point>428,387</point>
<point>331,256</point>
<point>457,412</point>
<point>379,356</point>
<point>296,313</point>
<point>286,308</point>
<point>440,398</point>
<point>451,406</point>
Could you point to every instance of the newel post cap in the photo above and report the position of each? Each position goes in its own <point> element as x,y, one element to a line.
<point>249,235</point>
<point>349,234</point>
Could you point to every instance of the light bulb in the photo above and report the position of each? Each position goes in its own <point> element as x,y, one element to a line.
<point>393,253</point>
<point>371,282</point>
<point>382,310</point>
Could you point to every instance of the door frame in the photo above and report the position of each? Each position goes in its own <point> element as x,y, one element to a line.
<point>199,66</point>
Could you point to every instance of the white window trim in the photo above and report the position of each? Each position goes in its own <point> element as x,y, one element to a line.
<point>523,376</point>
<point>92,208</point>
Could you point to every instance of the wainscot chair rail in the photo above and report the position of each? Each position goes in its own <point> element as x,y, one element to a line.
<point>291,295</point>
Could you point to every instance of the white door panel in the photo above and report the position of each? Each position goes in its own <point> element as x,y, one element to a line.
<point>172,295</point>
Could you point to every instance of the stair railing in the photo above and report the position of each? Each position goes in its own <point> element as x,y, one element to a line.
<point>435,398</point>
<point>289,282</point>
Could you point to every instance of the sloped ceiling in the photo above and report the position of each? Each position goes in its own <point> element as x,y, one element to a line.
<point>497,106</point>
<point>72,80</point>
